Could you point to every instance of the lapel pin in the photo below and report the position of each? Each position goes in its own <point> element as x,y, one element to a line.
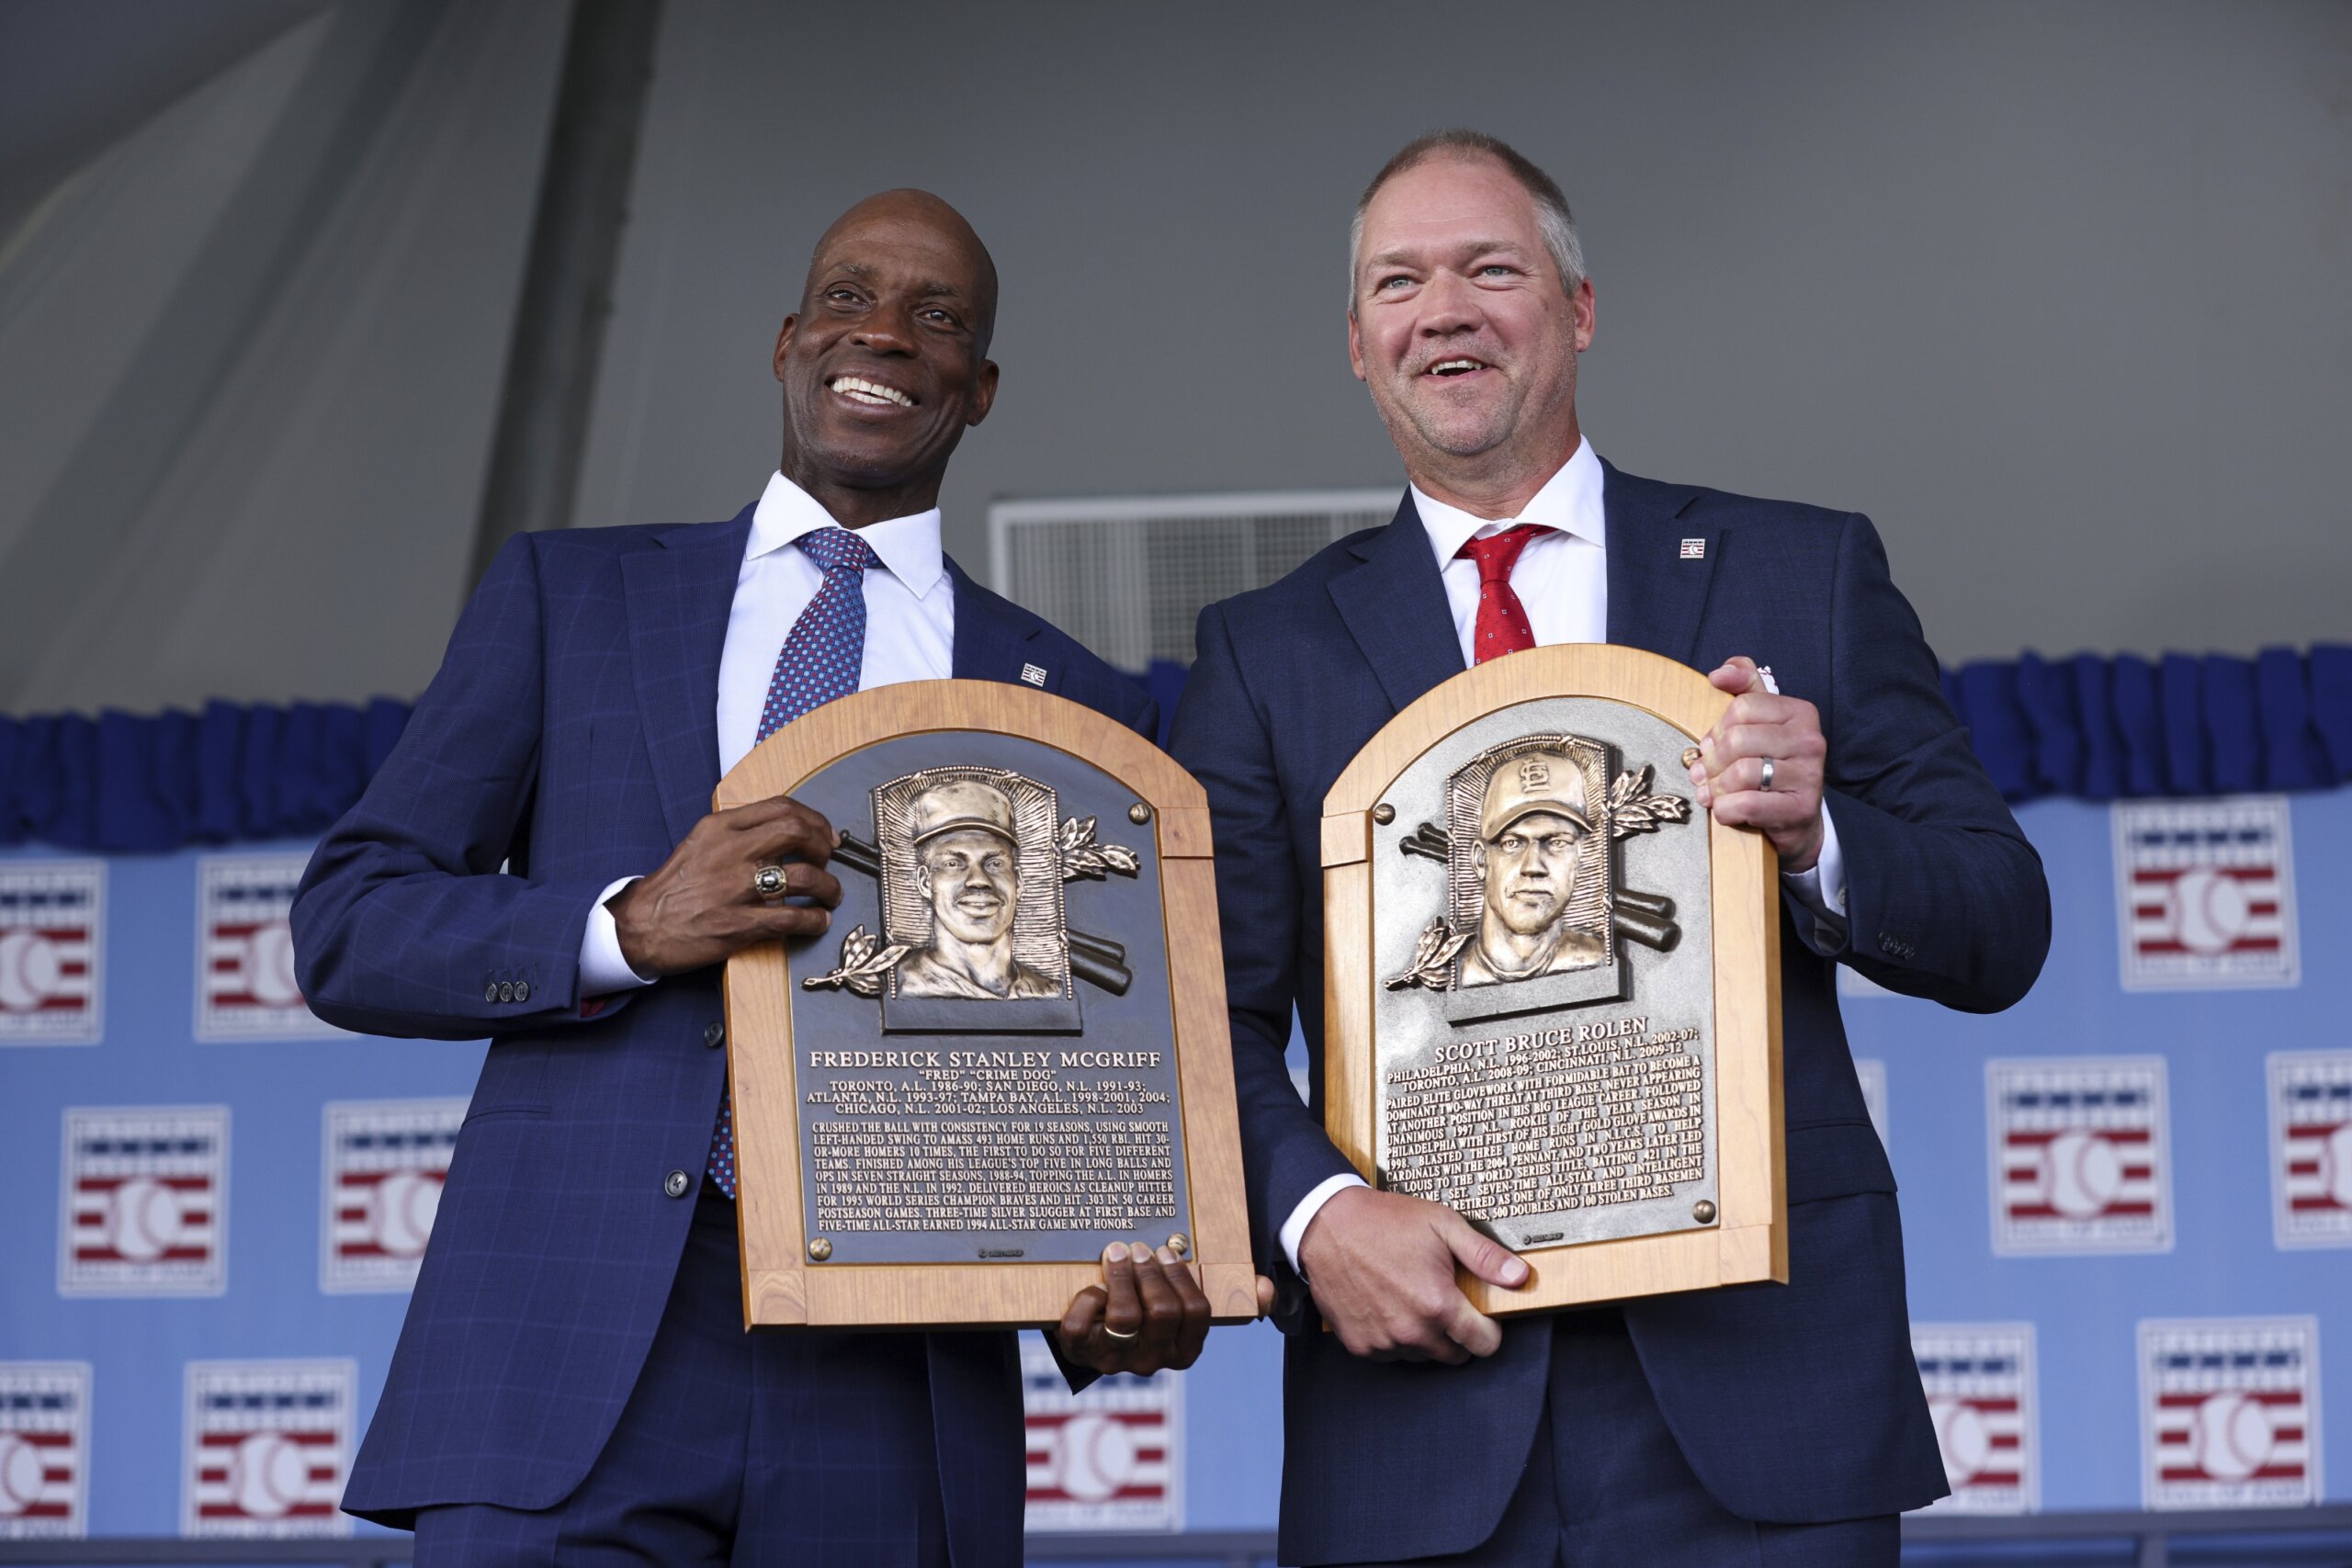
<point>1694,549</point>
<point>1035,675</point>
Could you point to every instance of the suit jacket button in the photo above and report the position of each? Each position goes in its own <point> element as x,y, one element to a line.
<point>506,990</point>
<point>677,1184</point>
<point>490,993</point>
<point>522,990</point>
<point>715,1036</point>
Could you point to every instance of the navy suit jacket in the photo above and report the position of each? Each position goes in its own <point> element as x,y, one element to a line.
<point>572,735</point>
<point>1793,1403</point>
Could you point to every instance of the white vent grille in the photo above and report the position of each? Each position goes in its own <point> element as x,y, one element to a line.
<point>1127,576</point>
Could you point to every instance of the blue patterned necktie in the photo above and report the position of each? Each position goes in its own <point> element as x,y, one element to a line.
<point>821,658</point>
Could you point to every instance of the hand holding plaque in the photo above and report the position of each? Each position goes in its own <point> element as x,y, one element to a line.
<point>1553,986</point>
<point>981,1093</point>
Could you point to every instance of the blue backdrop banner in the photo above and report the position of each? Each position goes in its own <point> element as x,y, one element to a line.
<point>2100,728</point>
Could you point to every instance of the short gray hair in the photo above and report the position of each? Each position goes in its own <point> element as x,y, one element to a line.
<point>1553,221</point>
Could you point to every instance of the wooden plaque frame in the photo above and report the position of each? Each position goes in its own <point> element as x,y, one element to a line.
<point>1749,1242</point>
<point>780,1284</point>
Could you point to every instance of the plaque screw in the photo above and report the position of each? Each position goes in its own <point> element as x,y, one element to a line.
<point>1384,814</point>
<point>1180,1245</point>
<point>1704,1210</point>
<point>1138,814</point>
<point>821,1249</point>
<point>1690,756</point>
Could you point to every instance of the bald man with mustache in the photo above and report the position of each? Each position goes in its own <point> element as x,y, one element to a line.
<point>537,862</point>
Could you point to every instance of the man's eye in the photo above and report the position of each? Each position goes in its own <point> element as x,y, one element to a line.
<point>1395,281</point>
<point>1496,269</point>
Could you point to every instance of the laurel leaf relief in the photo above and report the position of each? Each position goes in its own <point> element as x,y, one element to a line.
<point>1633,809</point>
<point>863,961</point>
<point>1082,857</point>
<point>1433,955</point>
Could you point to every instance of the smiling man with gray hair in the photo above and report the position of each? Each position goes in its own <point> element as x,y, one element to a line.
<point>1782,1424</point>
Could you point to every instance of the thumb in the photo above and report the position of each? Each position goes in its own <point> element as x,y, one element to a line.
<point>1265,1296</point>
<point>1483,1256</point>
<point>1736,675</point>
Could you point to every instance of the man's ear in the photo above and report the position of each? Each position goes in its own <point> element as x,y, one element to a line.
<point>922,881</point>
<point>1355,345</point>
<point>983,392</point>
<point>1478,857</point>
<point>784,344</point>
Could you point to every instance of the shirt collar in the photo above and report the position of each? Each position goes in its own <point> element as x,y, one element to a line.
<point>1569,500</point>
<point>908,547</point>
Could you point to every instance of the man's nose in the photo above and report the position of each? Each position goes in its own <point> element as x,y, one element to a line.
<point>888,328</point>
<point>1449,305</point>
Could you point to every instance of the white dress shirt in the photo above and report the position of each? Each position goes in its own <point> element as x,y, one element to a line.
<point>909,636</point>
<point>1562,581</point>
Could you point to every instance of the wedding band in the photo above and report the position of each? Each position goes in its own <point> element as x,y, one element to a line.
<point>1114,1333</point>
<point>1768,774</point>
<point>768,881</point>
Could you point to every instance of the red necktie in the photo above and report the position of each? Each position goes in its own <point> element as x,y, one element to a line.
<point>1502,619</point>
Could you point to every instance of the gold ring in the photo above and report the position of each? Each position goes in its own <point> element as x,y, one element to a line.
<point>768,881</point>
<point>1114,1333</point>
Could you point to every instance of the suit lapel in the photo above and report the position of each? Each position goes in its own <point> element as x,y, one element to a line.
<point>680,592</point>
<point>1657,591</point>
<point>996,639</point>
<point>1395,606</point>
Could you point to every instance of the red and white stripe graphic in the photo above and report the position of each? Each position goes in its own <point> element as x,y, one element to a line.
<point>385,1160</point>
<point>1106,1460</point>
<point>146,1206</point>
<point>2079,1154</point>
<point>1979,1378</point>
<point>2311,1147</point>
<point>44,1449</point>
<point>2230,1411</point>
<point>269,1444</point>
<point>2205,890</point>
<point>52,917</point>
<point>245,987</point>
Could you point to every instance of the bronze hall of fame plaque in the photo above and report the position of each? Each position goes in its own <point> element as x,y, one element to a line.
<point>1553,998</point>
<point>1011,1048</point>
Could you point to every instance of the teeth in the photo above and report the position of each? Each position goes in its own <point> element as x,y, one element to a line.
<point>1444,364</point>
<point>859,389</point>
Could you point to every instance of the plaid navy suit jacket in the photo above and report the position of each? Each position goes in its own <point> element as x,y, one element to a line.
<point>571,735</point>
<point>1794,1403</point>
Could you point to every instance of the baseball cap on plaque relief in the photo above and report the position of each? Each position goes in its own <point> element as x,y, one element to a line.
<point>985,1071</point>
<point>1553,983</point>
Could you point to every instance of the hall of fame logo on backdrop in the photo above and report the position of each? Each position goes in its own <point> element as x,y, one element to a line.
<point>44,1449</point>
<point>244,974</point>
<point>267,1447</point>
<point>2204,891</point>
<point>52,927</point>
<point>2229,1412</point>
<point>384,1161</point>
<point>1870,1073</point>
<point>1109,1459</point>
<point>1979,1378</point>
<point>146,1202</point>
<point>2081,1157</point>
<point>2311,1147</point>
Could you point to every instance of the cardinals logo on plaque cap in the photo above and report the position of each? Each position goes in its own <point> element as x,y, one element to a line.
<point>1522,787</point>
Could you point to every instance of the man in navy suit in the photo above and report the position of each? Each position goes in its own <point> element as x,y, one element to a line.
<point>1779,1424</point>
<point>538,862</point>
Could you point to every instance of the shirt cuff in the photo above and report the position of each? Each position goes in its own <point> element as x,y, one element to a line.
<point>1295,1228</point>
<point>1822,890</point>
<point>602,969</point>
